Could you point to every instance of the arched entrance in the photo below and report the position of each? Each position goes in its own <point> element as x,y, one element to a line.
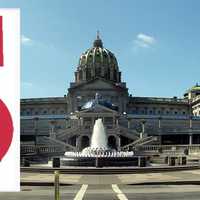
<point>85,141</point>
<point>72,140</point>
<point>112,142</point>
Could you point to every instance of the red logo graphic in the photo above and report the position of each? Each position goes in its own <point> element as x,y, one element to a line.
<point>6,129</point>
<point>1,41</point>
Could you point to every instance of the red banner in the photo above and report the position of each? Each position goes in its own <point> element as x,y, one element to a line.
<point>1,41</point>
<point>6,129</point>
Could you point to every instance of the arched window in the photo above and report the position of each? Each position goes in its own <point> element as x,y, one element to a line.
<point>85,141</point>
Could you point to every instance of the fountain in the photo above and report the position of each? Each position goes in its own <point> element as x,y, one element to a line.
<point>98,154</point>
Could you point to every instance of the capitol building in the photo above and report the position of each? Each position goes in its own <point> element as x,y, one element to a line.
<point>65,123</point>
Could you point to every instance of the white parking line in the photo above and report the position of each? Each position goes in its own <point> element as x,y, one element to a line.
<point>81,192</point>
<point>120,194</point>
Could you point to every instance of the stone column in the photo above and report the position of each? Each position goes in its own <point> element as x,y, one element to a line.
<point>52,134</point>
<point>111,74</point>
<point>159,122</point>
<point>81,121</point>
<point>129,123</point>
<point>190,139</point>
<point>84,75</point>
<point>93,120</point>
<point>113,125</point>
<point>117,121</point>
<point>92,72</point>
<point>78,77</point>
<point>78,143</point>
<point>36,129</point>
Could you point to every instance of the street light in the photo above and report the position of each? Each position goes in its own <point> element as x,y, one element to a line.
<point>143,128</point>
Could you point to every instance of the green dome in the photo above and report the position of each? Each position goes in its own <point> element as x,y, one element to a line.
<point>97,55</point>
<point>97,62</point>
<point>195,88</point>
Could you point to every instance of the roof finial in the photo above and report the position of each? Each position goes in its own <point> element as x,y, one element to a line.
<point>98,35</point>
<point>98,42</point>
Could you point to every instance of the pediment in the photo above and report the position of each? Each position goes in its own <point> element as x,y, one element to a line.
<point>99,109</point>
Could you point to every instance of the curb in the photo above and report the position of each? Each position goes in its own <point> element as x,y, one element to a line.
<point>98,171</point>
<point>190,182</point>
<point>26,183</point>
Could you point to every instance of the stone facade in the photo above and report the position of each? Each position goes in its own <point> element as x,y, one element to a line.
<point>127,118</point>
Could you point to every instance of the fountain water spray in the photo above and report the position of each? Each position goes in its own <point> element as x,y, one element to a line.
<point>99,138</point>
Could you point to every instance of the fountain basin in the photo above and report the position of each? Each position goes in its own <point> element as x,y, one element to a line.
<point>100,161</point>
<point>98,154</point>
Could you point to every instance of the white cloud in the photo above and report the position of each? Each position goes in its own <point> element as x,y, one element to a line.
<point>26,40</point>
<point>144,41</point>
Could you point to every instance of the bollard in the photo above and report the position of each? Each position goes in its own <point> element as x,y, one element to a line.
<point>172,161</point>
<point>56,162</point>
<point>57,185</point>
<point>96,162</point>
<point>141,161</point>
<point>166,159</point>
<point>183,160</point>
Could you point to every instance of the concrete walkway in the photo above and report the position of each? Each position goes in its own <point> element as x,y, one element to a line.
<point>187,176</point>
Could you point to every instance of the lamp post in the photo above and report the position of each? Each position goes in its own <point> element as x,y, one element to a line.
<point>190,132</point>
<point>57,185</point>
<point>117,121</point>
<point>159,122</point>
<point>143,128</point>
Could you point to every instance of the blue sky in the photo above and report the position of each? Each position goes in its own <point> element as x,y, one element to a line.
<point>157,43</point>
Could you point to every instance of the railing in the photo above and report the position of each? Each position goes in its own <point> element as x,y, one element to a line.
<point>28,149</point>
<point>160,99</point>
<point>170,148</point>
<point>40,149</point>
<point>140,141</point>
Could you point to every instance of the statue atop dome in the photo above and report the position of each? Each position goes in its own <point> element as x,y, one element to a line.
<point>98,42</point>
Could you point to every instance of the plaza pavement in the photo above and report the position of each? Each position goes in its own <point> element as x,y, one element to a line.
<point>174,185</point>
<point>107,192</point>
<point>187,176</point>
